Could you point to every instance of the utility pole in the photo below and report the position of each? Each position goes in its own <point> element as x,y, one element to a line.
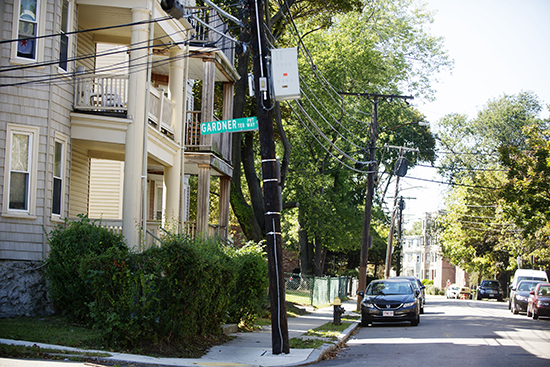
<point>372,169</point>
<point>389,249</point>
<point>279,323</point>
<point>400,234</point>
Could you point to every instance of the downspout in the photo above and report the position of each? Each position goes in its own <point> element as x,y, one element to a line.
<point>146,131</point>
<point>46,171</point>
<point>183,192</point>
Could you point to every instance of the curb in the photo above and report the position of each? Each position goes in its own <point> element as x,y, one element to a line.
<point>318,354</point>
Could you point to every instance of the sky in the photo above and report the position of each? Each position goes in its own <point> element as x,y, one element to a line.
<point>498,47</point>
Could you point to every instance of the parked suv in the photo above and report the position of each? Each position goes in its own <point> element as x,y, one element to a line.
<point>490,289</point>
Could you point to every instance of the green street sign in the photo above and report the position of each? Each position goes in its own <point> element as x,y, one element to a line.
<point>229,126</point>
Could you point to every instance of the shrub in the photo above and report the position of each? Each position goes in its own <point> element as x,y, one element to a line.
<point>68,248</point>
<point>251,283</point>
<point>432,289</point>
<point>427,282</point>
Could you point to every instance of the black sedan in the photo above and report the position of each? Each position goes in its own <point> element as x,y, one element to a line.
<point>489,289</point>
<point>519,297</point>
<point>417,285</point>
<point>390,300</point>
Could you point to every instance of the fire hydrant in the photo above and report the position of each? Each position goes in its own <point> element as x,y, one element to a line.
<point>337,312</point>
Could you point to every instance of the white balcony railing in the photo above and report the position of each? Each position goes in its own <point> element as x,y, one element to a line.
<point>101,93</point>
<point>160,111</point>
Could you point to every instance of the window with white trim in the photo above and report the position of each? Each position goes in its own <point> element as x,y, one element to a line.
<point>58,174</point>
<point>21,159</point>
<point>27,28</point>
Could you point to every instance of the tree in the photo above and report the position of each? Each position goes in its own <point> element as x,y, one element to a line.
<point>480,234</point>
<point>329,134</point>
<point>525,193</point>
<point>248,206</point>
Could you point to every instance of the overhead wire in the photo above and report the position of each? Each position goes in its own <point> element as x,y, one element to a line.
<point>322,145</point>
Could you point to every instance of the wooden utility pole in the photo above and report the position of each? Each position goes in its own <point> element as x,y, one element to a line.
<point>372,169</point>
<point>279,323</point>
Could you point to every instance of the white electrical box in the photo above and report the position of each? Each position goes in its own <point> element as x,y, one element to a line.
<point>284,67</point>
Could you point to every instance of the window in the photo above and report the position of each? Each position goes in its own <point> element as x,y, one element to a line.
<point>27,29</point>
<point>64,38</point>
<point>22,143</point>
<point>57,178</point>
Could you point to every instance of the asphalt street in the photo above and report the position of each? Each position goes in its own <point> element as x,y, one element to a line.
<point>452,333</point>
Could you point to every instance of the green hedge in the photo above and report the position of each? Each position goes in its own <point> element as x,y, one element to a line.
<point>70,244</point>
<point>183,288</point>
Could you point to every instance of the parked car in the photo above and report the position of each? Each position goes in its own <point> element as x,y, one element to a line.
<point>456,291</point>
<point>417,285</point>
<point>390,300</point>
<point>452,291</point>
<point>489,289</point>
<point>539,301</point>
<point>526,274</point>
<point>519,297</point>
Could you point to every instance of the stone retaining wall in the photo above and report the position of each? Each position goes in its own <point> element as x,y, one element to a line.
<point>23,289</point>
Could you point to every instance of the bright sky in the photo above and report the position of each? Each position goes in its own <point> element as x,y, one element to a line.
<point>499,47</point>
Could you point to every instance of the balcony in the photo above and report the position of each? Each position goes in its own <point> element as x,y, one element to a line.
<point>104,94</point>
<point>219,144</point>
<point>101,93</point>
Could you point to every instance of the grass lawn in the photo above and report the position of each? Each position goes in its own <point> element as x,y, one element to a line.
<point>58,330</point>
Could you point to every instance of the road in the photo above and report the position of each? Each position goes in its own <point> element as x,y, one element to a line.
<point>452,333</point>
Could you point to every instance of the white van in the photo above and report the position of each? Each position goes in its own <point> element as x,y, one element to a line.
<point>528,274</point>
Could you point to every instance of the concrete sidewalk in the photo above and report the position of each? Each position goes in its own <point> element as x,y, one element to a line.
<point>246,349</point>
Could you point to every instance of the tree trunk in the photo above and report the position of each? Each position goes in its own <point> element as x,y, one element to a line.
<point>319,259</point>
<point>243,211</point>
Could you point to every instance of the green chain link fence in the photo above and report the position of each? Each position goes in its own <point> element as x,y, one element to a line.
<point>318,291</point>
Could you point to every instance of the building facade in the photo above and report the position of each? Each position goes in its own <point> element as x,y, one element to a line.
<point>97,118</point>
<point>422,258</point>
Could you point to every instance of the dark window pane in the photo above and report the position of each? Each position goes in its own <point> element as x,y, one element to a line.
<point>63,51</point>
<point>19,191</point>
<point>56,205</point>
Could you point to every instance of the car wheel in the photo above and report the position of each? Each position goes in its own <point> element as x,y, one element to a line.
<point>416,321</point>
<point>514,309</point>
<point>364,321</point>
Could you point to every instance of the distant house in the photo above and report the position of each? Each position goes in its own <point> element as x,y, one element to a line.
<point>97,118</point>
<point>422,258</point>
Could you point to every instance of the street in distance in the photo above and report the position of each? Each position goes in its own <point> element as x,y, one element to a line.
<point>229,126</point>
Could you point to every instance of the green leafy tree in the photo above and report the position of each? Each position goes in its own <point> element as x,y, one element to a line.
<point>479,231</point>
<point>525,195</point>
<point>329,135</point>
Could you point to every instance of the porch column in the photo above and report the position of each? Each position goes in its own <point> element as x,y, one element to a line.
<point>172,175</point>
<point>225,185</point>
<point>208,85</point>
<point>203,199</point>
<point>132,196</point>
<point>227,113</point>
<point>225,182</point>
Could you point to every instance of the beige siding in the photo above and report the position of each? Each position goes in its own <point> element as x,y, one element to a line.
<point>85,50</point>
<point>78,196</point>
<point>106,181</point>
<point>114,63</point>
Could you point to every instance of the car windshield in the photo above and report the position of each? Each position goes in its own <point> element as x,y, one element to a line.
<point>531,278</point>
<point>387,288</point>
<point>490,283</point>
<point>544,291</point>
<point>526,286</point>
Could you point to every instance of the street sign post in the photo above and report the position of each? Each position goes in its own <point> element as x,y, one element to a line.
<point>229,126</point>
